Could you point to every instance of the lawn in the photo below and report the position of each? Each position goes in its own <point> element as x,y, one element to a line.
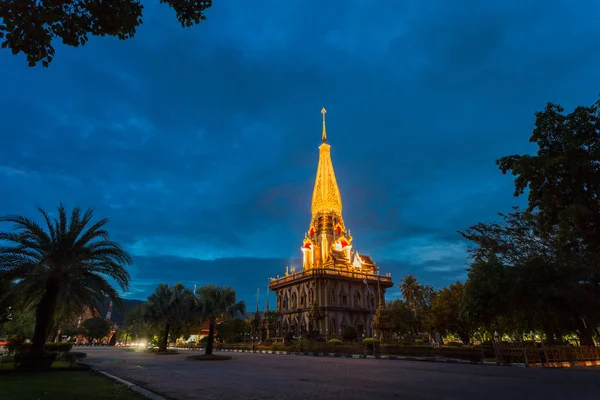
<point>63,385</point>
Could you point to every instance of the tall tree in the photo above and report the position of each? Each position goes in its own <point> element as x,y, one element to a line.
<point>563,178</point>
<point>217,302</point>
<point>487,293</point>
<point>447,314</point>
<point>96,328</point>
<point>401,316</point>
<point>6,300</point>
<point>563,182</point>
<point>67,263</point>
<point>410,289</point>
<point>135,324</point>
<point>30,26</point>
<point>170,309</point>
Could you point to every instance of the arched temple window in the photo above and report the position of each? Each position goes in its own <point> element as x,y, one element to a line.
<point>344,298</point>
<point>311,296</point>
<point>294,301</point>
<point>357,299</point>
<point>285,302</point>
<point>303,299</point>
<point>331,298</point>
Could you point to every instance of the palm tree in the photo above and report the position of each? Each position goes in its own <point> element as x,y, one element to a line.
<point>214,302</point>
<point>170,308</point>
<point>409,289</point>
<point>64,265</point>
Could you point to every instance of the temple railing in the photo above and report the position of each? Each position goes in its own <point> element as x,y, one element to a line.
<point>333,273</point>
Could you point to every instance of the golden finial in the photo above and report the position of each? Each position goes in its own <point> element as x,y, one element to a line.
<point>324,136</point>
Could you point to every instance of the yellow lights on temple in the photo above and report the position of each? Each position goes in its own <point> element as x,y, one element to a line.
<point>357,263</point>
<point>326,194</point>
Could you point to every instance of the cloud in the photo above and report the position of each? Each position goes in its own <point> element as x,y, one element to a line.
<point>200,144</point>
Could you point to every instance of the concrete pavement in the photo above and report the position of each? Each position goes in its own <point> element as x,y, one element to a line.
<point>266,376</point>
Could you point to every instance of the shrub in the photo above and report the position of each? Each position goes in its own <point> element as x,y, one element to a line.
<point>278,347</point>
<point>369,342</point>
<point>288,337</point>
<point>26,361</point>
<point>349,333</point>
<point>335,342</point>
<point>59,347</point>
<point>453,344</point>
<point>419,342</point>
<point>19,346</point>
<point>204,339</point>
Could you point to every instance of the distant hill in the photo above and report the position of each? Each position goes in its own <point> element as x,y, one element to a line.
<point>118,315</point>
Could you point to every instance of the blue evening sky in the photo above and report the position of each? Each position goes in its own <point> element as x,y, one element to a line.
<point>201,144</point>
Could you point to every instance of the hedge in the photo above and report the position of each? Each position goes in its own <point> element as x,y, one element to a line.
<point>49,347</point>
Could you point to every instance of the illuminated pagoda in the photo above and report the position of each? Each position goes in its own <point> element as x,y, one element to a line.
<point>337,286</point>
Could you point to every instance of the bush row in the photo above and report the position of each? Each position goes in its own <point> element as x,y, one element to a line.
<point>12,347</point>
<point>306,346</point>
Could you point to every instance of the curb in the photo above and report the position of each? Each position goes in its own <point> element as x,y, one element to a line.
<point>355,356</point>
<point>130,385</point>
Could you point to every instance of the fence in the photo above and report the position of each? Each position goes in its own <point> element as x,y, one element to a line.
<point>536,353</point>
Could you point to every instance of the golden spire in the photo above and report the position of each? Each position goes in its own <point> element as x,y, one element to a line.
<point>324,135</point>
<point>326,195</point>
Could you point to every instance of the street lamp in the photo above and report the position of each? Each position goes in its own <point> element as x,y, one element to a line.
<point>254,340</point>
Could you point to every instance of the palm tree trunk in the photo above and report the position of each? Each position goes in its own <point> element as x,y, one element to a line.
<point>211,337</point>
<point>44,314</point>
<point>164,339</point>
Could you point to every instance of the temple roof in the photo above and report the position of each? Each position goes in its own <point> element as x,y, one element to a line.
<point>326,194</point>
<point>366,259</point>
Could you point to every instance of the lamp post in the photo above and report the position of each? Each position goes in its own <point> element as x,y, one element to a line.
<point>371,310</point>
<point>254,340</point>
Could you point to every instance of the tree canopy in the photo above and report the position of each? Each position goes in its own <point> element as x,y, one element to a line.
<point>31,26</point>
<point>96,328</point>
<point>172,310</point>
<point>62,268</point>
<point>216,302</point>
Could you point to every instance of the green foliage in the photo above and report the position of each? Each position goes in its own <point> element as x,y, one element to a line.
<point>172,311</point>
<point>217,302</point>
<point>232,329</point>
<point>419,342</point>
<point>368,342</point>
<point>417,298</point>
<point>334,341</point>
<point>31,27</point>
<point>28,361</point>
<point>400,315</point>
<point>136,325</point>
<point>538,269</point>
<point>20,323</point>
<point>486,292</point>
<point>288,337</point>
<point>96,328</point>
<point>448,315</point>
<point>349,333</point>
<point>60,268</point>
<point>7,301</point>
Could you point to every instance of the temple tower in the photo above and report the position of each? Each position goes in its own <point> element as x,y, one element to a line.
<point>336,285</point>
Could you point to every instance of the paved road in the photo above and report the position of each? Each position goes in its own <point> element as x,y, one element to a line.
<point>267,376</point>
